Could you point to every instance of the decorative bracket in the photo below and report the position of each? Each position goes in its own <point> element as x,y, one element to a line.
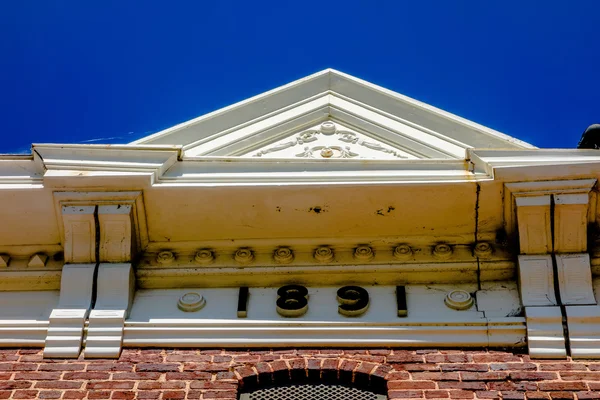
<point>545,337</point>
<point>115,290</point>
<point>65,331</point>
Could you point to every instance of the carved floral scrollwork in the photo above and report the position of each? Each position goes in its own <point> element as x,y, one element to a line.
<point>283,255</point>
<point>328,128</point>
<point>244,255</point>
<point>323,254</point>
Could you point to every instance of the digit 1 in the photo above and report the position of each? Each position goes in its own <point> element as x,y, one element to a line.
<point>401,301</point>
<point>242,311</point>
<point>292,301</point>
<point>354,301</point>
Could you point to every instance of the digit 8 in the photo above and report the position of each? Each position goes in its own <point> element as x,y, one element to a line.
<point>292,301</point>
<point>354,301</point>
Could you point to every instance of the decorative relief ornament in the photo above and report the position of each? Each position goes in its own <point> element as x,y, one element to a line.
<point>442,251</point>
<point>459,300</point>
<point>327,149</point>
<point>483,249</point>
<point>323,254</point>
<point>283,255</point>
<point>244,255</point>
<point>364,253</point>
<point>403,252</point>
<point>38,260</point>
<point>4,260</point>
<point>165,257</point>
<point>328,128</point>
<point>191,302</point>
<point>204,256</point>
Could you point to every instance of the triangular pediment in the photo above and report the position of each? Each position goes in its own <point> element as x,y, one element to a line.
<point>367,121</point>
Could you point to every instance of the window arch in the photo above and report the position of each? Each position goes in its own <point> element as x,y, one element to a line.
<point>311,391</point>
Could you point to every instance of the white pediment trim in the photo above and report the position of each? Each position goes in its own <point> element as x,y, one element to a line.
<point>411,125</point>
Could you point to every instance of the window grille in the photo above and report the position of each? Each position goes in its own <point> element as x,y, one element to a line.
<point>311,392</point>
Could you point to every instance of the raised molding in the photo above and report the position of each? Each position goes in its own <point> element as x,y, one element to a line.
<point>536,280</point>
<point>570,223</point>
<point>38,260</point>
<point>533,217</point>
<point>545,336</point>
<point>515,190</point>
<point>65,331</point>
<point>584,331</point>
<point>575,279</point>
<point>4,260</point>
<point>127,198</point>
<point>80,234</point>
<point>115,290</point>
<point>115,233</point>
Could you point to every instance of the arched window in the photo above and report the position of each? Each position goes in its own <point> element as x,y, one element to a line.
<point>311,391</point>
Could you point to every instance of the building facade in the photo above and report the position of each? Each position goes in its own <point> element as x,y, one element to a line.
<point>329,238</point>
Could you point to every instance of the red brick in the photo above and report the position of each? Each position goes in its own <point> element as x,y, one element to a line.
<point>188,358</point>
<point>110,385</point>
<point>488,394</point>
<point>37,376</point>
<point>123,395</point>
<point>461,394</point>
<point>74,394</point>
<point>135,376</point>
<point>174,395</point>
<point>580,376</point>
<point>483,376</point>
<point>533,376</point>
<point>113,366</point>
<point>446,358</point>
<point>5,394</point>
<point>495,358</point>
<point>50,394</point>
<point>25,394</point>
<point>436,394</point>
<point>462,385</point>
<point>161,385</point>
<point>513,367</point>
<point>85,376</point>
<point>187,376</point>
<point>59,385</point>
<point>405,394</point>
<point>417,367</point>
<point>62,367</point>
<point>435,376</point>
<point>213,385</point>
<point>537,395</point>
<point>392,385</point>
<point>405,357</point>
<point>157,367</point>
<point>11,385</point>
<point>465,367</point>
<point>510,395</point>
<point>149,395</point>
<point>521,386</point>
<point>97,394</point>
<point>588,395</point>
<point>562,395</point>
<point>562,386</point>
<point>228,394</point>
<point>562,367</point>
<point>18,366</point>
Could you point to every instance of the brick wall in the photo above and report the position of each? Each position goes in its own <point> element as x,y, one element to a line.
<point>216,374</point>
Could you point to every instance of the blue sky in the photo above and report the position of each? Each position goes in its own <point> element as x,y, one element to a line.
<point>115,71</point>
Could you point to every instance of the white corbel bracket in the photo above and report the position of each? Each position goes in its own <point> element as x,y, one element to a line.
<point>545,335</point>
<point>115,289</point>
<point>65,331</point>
